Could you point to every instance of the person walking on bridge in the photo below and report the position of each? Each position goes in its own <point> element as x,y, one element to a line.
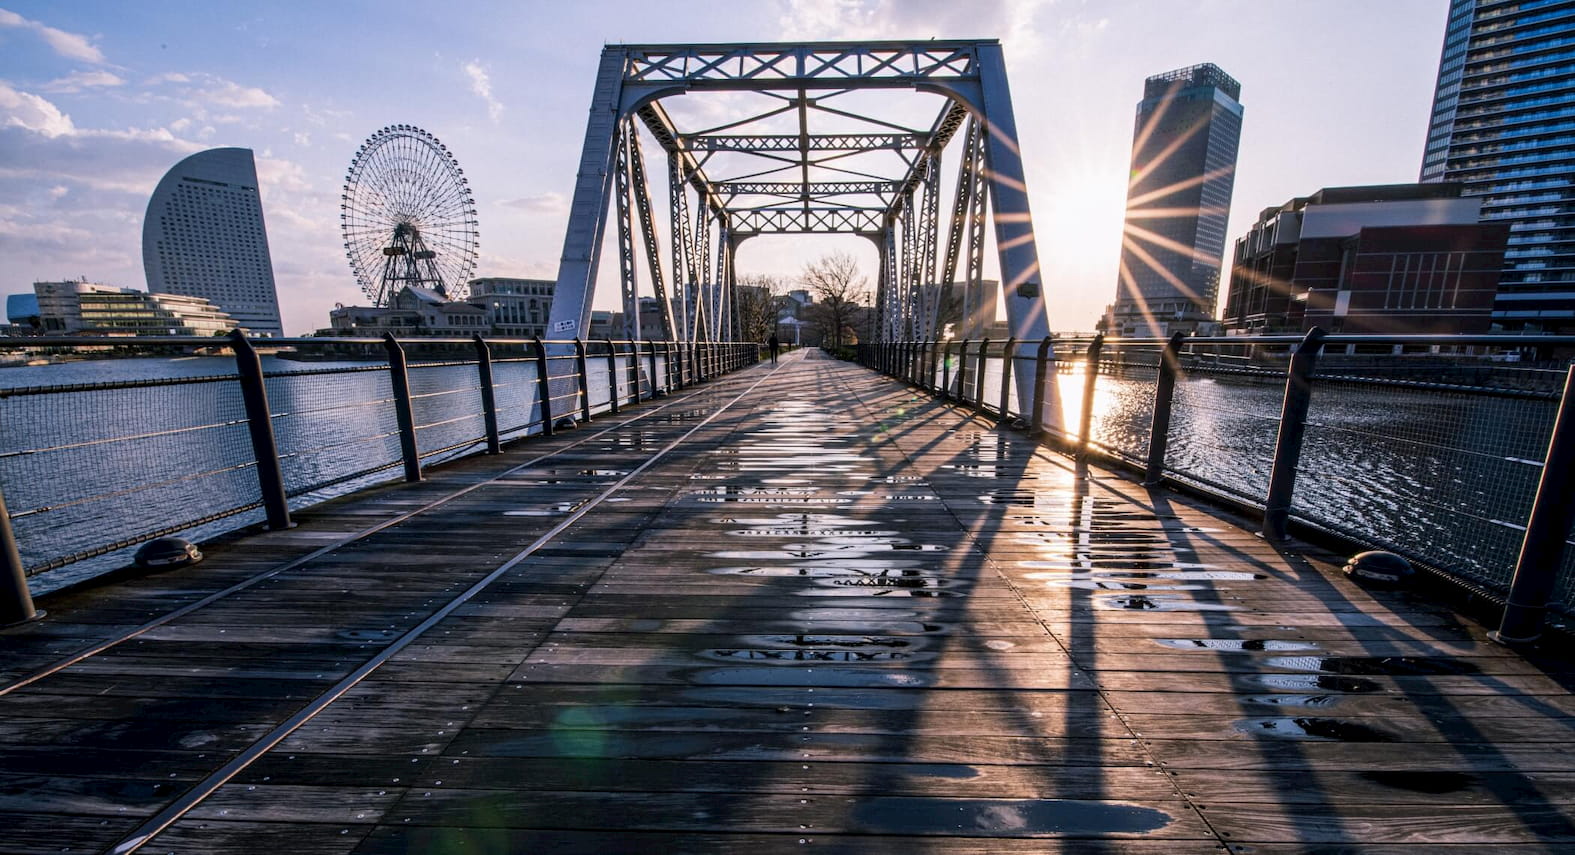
<point>775,343</point>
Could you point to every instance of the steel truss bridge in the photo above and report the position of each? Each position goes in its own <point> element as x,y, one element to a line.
<point>801,139</point>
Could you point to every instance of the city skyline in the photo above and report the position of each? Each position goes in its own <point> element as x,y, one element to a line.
<point>1501,126</point>
<point>94,108</point>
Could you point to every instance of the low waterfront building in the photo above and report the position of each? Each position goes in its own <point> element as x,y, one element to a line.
<point>497,306</point>
<point>602,324</point>
<point>90,308</point>
<point>357,321</point>
<point>515,308</point>
<point>1398,258</point>
<point>414,311</point>
<point>21,310</point>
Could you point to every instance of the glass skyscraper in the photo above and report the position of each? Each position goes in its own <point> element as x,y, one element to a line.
<point>1503,125</point>
<point>1178,199</point>
<point>203,236</point>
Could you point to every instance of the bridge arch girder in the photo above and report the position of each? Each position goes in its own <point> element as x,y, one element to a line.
<point>970,77</point>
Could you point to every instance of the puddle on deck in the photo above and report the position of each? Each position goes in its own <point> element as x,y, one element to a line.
<point>1308,727</point>
<point>1234,644</point>
<point>1379,666</point>
<point>1003,817</point>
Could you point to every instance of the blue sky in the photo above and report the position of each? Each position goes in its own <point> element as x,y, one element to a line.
<point>98,99</point>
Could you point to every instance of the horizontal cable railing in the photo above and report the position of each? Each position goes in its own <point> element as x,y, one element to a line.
<point>90,469</point>
<point>1431,446</point>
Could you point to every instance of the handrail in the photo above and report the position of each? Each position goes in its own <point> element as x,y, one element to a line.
<point>266,343</point>
<point>446,415</point>
<point>1545,531</point>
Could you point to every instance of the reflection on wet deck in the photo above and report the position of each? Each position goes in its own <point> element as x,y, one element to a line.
<point>838,616</point>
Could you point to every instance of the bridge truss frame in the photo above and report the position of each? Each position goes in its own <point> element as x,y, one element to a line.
<point>900,213</point>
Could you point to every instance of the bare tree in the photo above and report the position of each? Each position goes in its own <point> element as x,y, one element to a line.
<point>759,301</point>
<point>839,289</point>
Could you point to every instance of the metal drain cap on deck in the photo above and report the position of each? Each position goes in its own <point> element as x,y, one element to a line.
<point>167,552</point>
<point>1383,568</point>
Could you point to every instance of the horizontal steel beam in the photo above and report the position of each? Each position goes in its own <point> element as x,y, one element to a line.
<point>810,221</point>
<point>813,65</point>
<point>813,189</point>
<point>767,143</point>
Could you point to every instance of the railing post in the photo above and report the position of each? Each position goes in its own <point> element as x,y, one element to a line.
<point>1085,419</point>
<point>1164,393</point>
<point>582,366</point>
<point>543,387</point>
<point>634,371</point>
<point>1537,569</point>
<point>16,602</point>
<point>265,450</point>
<point>673,383</point>
<point>978,375</point>
<point>399,377</point>
<point>489,400</point>
<point>929,378</point>
<point>612,376</point>
<point>1036,422</point>
<point>946,371</point>
<point>1008,353</point>
<point>651,361</point>
<point>1293,425</point>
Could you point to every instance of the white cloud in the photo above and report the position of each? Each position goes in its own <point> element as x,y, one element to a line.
<point>227,93</point>
<point>210,90</point>
<point>30,112</point>
<point>482,86</point>
<point>490,264</point>
<point>68,45</point>
<point>545,203</point>
<point>1012,21</point>
<point>284,175</point>
<point>116,161</point>
<point>80,80</point>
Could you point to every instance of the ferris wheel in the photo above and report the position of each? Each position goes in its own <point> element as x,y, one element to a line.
<point>407,216</point>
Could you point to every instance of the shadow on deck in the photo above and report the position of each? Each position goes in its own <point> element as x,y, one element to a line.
<point>795,608</point>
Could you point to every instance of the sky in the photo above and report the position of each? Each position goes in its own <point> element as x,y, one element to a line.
<point>98,98</point>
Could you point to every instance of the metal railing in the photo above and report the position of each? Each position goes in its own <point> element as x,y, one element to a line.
<point>91,469</point>
<point>1435,447</point>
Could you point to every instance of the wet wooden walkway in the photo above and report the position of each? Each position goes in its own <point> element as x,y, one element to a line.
<point>799,608</point>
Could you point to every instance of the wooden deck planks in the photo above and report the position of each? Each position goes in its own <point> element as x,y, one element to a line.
<point>838,615</point>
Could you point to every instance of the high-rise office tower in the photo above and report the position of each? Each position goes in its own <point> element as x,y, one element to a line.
<point>1503,125</point>
<point>203,236</point>
<point>1178,199</point>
